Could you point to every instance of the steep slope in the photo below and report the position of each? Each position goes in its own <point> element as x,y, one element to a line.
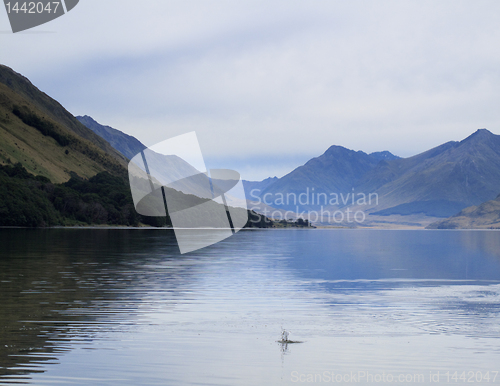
<point>50,108</point>
<point>336,171</point>
<point>46,139</point>
<point>484,216</point>
<point>454,175</point>
<point>256,187</point>
<point>388,171</point>
<point>127,145</point>
<point>165,168</point>
<point>436,183</point>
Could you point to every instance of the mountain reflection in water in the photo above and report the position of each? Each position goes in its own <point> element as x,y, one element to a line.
<point>357,299</point>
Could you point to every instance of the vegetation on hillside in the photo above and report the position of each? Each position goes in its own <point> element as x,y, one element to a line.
<point>34,201</point>
<point>43,126</point>
<point>29,201</point>
<point>299,223</point>
<point>45,138</point>
<point>21,203</point>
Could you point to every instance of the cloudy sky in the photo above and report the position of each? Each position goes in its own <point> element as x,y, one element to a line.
<point>269,84</point>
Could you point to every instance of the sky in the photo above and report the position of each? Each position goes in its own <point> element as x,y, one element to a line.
<point>267,85</point>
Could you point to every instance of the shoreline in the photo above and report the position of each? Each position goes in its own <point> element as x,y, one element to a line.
<point>319,228</point>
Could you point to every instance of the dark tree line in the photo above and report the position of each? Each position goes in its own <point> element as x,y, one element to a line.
<point>43,126</point>
<point>34,201</point>
<point>29,201</point>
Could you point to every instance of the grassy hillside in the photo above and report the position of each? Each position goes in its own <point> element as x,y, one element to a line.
<point>484,216</point>
<point>47,140</point>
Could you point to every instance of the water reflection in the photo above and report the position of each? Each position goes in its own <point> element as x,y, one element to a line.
<point>379,254</point>
<point>358,299</point>
<point>487,241</point>
<point>65,287</point>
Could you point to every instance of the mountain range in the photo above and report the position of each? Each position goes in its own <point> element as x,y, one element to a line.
<point>336,171</point>
<point>456,174</point>
<point>39,134</point>
<point>437,183</point>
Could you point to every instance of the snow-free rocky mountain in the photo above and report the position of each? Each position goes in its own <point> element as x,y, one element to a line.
<point>439,182</point>
<point>36,131</point>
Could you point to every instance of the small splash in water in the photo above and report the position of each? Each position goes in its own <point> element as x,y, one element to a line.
<point>284,338</point>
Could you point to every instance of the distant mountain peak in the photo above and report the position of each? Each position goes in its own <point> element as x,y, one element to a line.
<point>384,155</point>
<point>378,155</point>
<point>87,117</point>
<point>337,149</point>
<point>480,134</point>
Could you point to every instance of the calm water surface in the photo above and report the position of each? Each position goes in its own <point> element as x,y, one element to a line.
<point>123,307</point>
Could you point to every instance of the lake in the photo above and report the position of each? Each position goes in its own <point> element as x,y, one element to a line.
<point>123,307</point>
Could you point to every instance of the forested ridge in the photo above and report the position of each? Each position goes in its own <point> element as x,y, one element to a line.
<point>34,201</point>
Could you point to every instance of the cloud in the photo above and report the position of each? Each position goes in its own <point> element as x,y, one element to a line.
<point>255,78</point>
